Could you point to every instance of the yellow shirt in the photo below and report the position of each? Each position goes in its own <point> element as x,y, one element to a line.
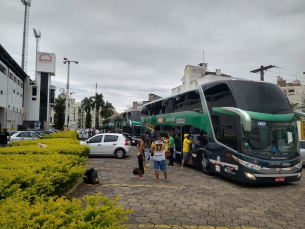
<point>186,145</point>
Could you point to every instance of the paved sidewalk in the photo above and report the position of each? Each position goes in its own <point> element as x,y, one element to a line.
<point>192,199</point>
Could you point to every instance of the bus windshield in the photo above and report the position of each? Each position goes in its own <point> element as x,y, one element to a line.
<point>271,140</point>
<point>136,130</point>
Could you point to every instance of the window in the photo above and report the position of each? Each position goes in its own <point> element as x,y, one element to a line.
<point>167,106</point>
<point>3,69</point>
<point>33,99</point>
<point>110,138</point>
<point>34,91</point>
<point>32,135</point>
<point>158,108</point>
<point>22,85</point>
<point>15,79</point>
<point>291,90</point>
<point>19,82</point>
<point>14,91</point>
<point>11,76</point>
<point>179,102</point>
<point>193,102</point>
<point>23,135</point>
<point>96,139</point>
<point>224,126</point>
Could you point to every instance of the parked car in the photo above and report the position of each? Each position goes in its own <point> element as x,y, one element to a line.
<point>302,151</point>
<point>12,132</point>
<point>108,144</point>
<point>24,135</point>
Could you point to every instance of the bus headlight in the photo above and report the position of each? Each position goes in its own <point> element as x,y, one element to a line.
<point>298,165</point>
<point>250,176</point>
<point>248,164</point>
<point>300,174</point>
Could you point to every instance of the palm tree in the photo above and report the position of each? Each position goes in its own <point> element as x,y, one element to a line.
<point>59,108</point>
<point>87,105</point>
<point>97,104</point>
<point>107,110</point>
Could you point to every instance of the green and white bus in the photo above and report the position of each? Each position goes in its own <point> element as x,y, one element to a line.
<point>243,130</point>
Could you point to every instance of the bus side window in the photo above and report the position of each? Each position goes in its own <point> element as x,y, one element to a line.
<point>193,102</point>
<point>158,108</point>
<point>179,104</point>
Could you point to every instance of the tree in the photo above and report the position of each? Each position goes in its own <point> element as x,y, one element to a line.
<point>295,107</point>
<point>107,110</point>
<point>87,104</point>
<point>97,104</point>
<point>59,108</point>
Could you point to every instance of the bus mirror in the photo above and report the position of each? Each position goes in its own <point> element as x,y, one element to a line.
<point>299,113</point>
<point>245,117</point>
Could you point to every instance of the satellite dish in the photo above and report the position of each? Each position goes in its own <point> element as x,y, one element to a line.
<point>62,91</point>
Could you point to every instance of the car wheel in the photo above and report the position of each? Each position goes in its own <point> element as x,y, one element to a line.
<point>119,153</point>
<point>205,164</point>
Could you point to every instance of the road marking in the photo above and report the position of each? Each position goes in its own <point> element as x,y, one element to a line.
<point>181,226</point>
<point>141,185</point>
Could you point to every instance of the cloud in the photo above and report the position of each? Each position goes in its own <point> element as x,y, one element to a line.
<point>133,48</point>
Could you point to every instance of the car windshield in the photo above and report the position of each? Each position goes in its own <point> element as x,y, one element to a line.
<point>271,139</point>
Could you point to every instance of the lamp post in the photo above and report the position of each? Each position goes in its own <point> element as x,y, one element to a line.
<point>69,125</point>
<point>67,92</point>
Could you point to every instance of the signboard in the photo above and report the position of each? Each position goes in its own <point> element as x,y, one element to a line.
<point>46,62</point>
<point>32,125</point>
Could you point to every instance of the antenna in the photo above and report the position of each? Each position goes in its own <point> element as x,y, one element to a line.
<point>27,4</point>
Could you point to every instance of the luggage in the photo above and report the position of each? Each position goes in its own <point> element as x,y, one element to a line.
<point>91,176</point>
<point>136,171</point>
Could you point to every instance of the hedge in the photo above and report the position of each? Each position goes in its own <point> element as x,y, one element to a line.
<point>39,174</point>
<point>32,177</point>
<point>53,212</point>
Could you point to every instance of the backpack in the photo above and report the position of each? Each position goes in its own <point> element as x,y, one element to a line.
<point>91,176</point>
<point>136,171</point>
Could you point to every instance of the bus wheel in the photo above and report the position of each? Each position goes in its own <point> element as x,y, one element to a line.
<point>205,163</point>
<point>119,153</point>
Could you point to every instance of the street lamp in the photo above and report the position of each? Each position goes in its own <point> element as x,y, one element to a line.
<point>67,92</point>
<point>70,108</point>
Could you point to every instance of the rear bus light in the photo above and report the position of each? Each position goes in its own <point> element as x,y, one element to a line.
<point>126,143</point>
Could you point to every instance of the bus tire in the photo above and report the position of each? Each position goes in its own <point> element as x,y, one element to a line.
<point>205,164</point>
<point>119,153</point>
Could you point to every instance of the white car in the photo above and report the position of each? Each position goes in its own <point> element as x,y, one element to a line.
<point>302,151</point>
<point>24,135</point>
<point>108,144</point>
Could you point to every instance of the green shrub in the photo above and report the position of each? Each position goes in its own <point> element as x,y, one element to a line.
<point>51,212</point>
<point>39,174</point>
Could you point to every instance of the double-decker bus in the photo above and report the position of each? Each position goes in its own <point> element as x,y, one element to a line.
<point>241,129</point>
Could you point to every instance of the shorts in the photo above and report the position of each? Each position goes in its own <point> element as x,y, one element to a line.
<point>185,156</point>
<point>160,164</point>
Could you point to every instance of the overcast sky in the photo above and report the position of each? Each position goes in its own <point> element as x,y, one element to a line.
<point>133,48</point>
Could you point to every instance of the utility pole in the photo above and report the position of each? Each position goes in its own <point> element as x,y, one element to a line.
<point>262,69</point>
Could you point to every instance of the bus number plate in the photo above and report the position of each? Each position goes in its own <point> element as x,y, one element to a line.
<point>277,179</point>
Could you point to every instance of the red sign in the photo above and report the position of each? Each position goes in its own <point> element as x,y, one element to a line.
<point>279,179</point>
<point>45,57</point>
<point>160,120</point>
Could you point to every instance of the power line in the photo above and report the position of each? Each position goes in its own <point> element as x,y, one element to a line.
<point>288,70</point>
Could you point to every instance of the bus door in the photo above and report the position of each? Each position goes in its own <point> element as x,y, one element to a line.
<point>187,129</point>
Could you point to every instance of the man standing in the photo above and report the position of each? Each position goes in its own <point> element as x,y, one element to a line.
<point>147,148</point>
<point>186,149</point>
<point>159,156</point>
<point>8,137</point>
<point>171,149</point>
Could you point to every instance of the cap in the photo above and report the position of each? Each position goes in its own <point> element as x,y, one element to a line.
<point>158,135</point>
<point>144,135</point>
<point>186,135</point>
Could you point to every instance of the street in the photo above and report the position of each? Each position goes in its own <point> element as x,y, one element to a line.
<point>192,199</point>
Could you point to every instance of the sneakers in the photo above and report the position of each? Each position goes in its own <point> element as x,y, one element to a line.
<point>170,164</point>
<point>147,164</point>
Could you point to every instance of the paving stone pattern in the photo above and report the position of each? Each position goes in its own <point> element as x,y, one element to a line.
<point>192,199</point>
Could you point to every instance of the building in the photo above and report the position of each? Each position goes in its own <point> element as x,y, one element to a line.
<point>295,92</point>
<point>12,92</point>
<point>26,103</point>
<point>197,75</point>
